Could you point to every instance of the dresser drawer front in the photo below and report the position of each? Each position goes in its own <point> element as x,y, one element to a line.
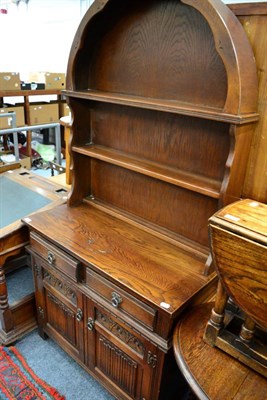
<point>56,258</point>
<point>121,300</point>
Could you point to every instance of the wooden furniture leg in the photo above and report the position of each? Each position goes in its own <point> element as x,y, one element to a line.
<point>7,323</point>
<point>247,330</point>
<point>215,323</point>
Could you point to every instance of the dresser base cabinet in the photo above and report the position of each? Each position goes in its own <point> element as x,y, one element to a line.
<point>115,334</point>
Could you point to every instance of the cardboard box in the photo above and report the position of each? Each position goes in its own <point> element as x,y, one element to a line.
<point>64,110</point>
<point>25,162</point>
<point>52,80</point>
<point>6,122</point>
<point>37,77</point>
<point>55,80</point>
<point>9,81</point>
<point>42,113</point>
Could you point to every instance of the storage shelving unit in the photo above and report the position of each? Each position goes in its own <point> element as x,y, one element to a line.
<point>12,115</point>
<point>26,94</point>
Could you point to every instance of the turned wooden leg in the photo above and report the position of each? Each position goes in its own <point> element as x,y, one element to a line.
<point>247,330</point>
<point>215,323</point>
<point>6,318</point>
<point>218,312</point>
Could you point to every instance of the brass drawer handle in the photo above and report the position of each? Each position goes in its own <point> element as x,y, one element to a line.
<point>90,324</point>
<point>79,315</point>
<point>116,299</point>
<point>50,257</point>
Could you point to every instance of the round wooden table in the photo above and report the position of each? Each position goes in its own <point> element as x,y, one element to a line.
<point>211,373</point>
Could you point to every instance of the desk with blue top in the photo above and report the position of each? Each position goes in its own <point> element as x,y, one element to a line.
<point>21,194</point>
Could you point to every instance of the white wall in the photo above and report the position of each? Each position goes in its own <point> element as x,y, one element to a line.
<point>38,37</point>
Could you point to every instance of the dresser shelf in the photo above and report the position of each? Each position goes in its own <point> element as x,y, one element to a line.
<point>171,106</point>
<point>199,184</point>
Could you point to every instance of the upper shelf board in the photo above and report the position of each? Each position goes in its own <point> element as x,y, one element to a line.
<point>162,105</point>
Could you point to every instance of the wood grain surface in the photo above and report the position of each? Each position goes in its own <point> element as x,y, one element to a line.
<point>147,266</point>
<point>255,186</point>
<point>211,373</point>
<point>238,237</point>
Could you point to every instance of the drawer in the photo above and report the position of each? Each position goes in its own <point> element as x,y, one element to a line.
<point>55,257</point>
<point>121,300</point>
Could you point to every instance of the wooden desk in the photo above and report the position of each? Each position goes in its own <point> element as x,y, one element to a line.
<point>211,373</point>
<point>19,318</point>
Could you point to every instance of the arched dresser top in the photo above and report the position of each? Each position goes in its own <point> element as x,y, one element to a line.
<point>214,80</point>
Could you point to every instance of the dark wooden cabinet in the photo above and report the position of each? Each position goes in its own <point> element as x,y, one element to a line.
<point>163,97</point>
<point>98,323</point>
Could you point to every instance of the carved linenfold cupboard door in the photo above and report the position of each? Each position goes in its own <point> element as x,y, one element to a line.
<point>115,352</point>
<point>163,97</point>
<point>59,308</point>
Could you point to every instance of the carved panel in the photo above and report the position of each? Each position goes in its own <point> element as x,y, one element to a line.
<point>152,359</point>
<point>116,365</point>
<point>37,270</point>
<point>61,287</point>
<point>61,305</point>
<point>121,333</point>
<point>61,318</point>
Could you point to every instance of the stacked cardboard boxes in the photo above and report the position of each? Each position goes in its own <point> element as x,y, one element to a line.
<point>51,80</point>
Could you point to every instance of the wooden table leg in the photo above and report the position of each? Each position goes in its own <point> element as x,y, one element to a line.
<point>6,318</point>
<point>215,323</point>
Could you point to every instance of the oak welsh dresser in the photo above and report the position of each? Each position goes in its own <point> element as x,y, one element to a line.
<point>163,96</point>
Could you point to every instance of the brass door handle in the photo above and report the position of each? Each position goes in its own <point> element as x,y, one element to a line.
<point>90,324</point>
<point>50,257</point>
<point>116,299</point>
<point>79,315</point>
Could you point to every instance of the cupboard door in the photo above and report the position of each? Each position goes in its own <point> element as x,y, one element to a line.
<point>118,356</point>
<point>59,308</point>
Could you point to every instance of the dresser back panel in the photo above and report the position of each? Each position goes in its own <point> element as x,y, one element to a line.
<point>147,48</point>
<point>177,209</point>
<point>165,138</point>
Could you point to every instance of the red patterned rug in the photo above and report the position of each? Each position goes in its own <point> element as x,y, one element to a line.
<point>19,382</point>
